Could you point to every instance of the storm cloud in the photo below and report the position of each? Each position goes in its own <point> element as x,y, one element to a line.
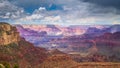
<point>105,3</point>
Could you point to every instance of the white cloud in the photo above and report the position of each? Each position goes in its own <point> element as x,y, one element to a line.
<point>31,17</point>
<point>10,11</point>
<point>52,18</point>
<point>41,9</point>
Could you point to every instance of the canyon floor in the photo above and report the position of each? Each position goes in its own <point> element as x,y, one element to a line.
<point>98,65</point>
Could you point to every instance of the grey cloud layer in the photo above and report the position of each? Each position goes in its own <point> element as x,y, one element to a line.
<point>105,3</point>
<point>74,12</point>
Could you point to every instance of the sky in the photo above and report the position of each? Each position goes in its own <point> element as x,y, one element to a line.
<point>60,12</point>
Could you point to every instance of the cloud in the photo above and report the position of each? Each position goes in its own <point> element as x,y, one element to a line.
<point>73,14</point>
<point>32,17</point>
<point>62,12</point>
<point>105,3</point>
<point>10,11</point>
<point>31,5</point>
<point>52,18</point>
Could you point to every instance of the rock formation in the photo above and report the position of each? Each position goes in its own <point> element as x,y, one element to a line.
<point>8,34</point>
<point>16,50</point>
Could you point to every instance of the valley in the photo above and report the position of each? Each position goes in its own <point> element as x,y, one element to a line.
<point>26,47</point>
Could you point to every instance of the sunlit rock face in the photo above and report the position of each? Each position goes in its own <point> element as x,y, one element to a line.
<point>8,34</point>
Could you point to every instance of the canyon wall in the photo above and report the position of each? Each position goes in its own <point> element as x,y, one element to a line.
<point>8,34</point>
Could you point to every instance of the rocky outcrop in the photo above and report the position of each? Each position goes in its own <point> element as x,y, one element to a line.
<point>8,34</point>
<point>58,61</point>
<point>16,50</point>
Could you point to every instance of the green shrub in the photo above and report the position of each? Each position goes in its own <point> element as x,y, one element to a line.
<point>16,66</point>
<point>7,65</point>
<point>2,66</point>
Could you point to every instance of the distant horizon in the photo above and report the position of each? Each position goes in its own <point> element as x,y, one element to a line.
<point>62,25</point>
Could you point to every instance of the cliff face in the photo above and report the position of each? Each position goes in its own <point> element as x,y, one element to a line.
<point>8,34</point>
<point>16,50</point>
